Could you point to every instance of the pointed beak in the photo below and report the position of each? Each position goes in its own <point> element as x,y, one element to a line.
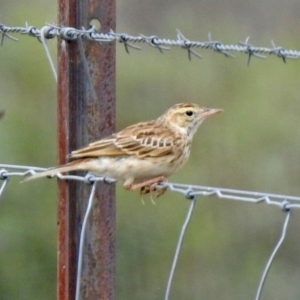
<point>210,111</point>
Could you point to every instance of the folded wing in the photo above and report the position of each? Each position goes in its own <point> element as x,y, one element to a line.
<point>140,140</point>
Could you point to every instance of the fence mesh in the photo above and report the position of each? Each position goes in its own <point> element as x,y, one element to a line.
<point>190,192</point>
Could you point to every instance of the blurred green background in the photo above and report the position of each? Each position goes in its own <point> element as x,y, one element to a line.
<point>253,145</point>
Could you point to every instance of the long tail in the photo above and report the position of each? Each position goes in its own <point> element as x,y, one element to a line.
<point>71,166</point>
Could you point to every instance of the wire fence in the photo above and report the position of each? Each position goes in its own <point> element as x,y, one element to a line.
<point>162,44</point>
<point>191,192</point>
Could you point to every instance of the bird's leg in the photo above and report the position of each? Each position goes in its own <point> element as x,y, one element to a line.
<point>151,196</point>
<point>146,190</point>
<point>152,188</point>
<point>142,195</point>
<point>160,192</point>
<point>152,182</point>
<point>149,186</point>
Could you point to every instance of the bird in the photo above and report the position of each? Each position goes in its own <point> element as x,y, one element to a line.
<point>142,155</point>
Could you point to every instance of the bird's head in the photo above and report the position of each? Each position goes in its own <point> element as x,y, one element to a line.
<point>187,117</point>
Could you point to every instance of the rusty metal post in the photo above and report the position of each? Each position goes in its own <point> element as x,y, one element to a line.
<point>83,118</point>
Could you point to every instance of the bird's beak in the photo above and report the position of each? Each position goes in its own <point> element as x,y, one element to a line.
<point>210,111</point>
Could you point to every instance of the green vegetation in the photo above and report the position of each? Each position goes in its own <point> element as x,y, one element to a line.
<point>253,145</point>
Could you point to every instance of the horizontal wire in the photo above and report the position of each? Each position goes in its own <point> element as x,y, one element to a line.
<point>284,202</point>
<point>162,44</point>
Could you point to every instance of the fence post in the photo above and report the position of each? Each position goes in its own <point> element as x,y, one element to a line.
<point>86,112</point>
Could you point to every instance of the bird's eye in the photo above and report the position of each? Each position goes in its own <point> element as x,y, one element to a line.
<point>189,113</point>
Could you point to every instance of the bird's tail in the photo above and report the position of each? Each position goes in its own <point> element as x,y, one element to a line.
<point>71,166</point>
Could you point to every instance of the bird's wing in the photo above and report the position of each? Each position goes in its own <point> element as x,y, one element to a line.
<point>141,140</point>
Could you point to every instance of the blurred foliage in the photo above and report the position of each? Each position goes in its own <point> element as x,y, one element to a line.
<point>253,145</point>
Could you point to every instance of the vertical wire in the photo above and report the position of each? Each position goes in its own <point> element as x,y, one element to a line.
<point>81,242</point>
<point>178,247</point>
<point>86,68</point>
<point>3,186</point>
<point>271,259</point>
<point>43,40</point>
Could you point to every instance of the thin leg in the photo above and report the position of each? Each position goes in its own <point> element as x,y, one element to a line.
<point>152,188</point>
<point>161,192</point>
<point>142,185</point>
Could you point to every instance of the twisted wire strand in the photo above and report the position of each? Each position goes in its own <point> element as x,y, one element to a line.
<point>162,44</point>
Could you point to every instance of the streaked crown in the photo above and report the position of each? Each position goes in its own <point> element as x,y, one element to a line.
<point>186,117</point>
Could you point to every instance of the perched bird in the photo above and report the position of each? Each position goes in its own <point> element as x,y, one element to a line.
<point>142,155</point>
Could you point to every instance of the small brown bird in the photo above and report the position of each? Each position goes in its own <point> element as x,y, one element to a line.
<point>142,155</point>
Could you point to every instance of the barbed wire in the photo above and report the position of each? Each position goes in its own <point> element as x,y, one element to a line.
<point>190,192</point>
<point>162,44</point>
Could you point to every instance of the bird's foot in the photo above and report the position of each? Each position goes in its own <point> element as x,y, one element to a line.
<point>149,186</point>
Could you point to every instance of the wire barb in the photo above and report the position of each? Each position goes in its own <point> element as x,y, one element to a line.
<point>250,50</point>
<point>186,44</point>
<point>279,52</point>
<point>155,42</point>
<point>5,34</point>
<point>218,47</point>
<point>124,38</point>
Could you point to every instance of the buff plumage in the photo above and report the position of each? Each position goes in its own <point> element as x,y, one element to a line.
<point>143,154</point>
